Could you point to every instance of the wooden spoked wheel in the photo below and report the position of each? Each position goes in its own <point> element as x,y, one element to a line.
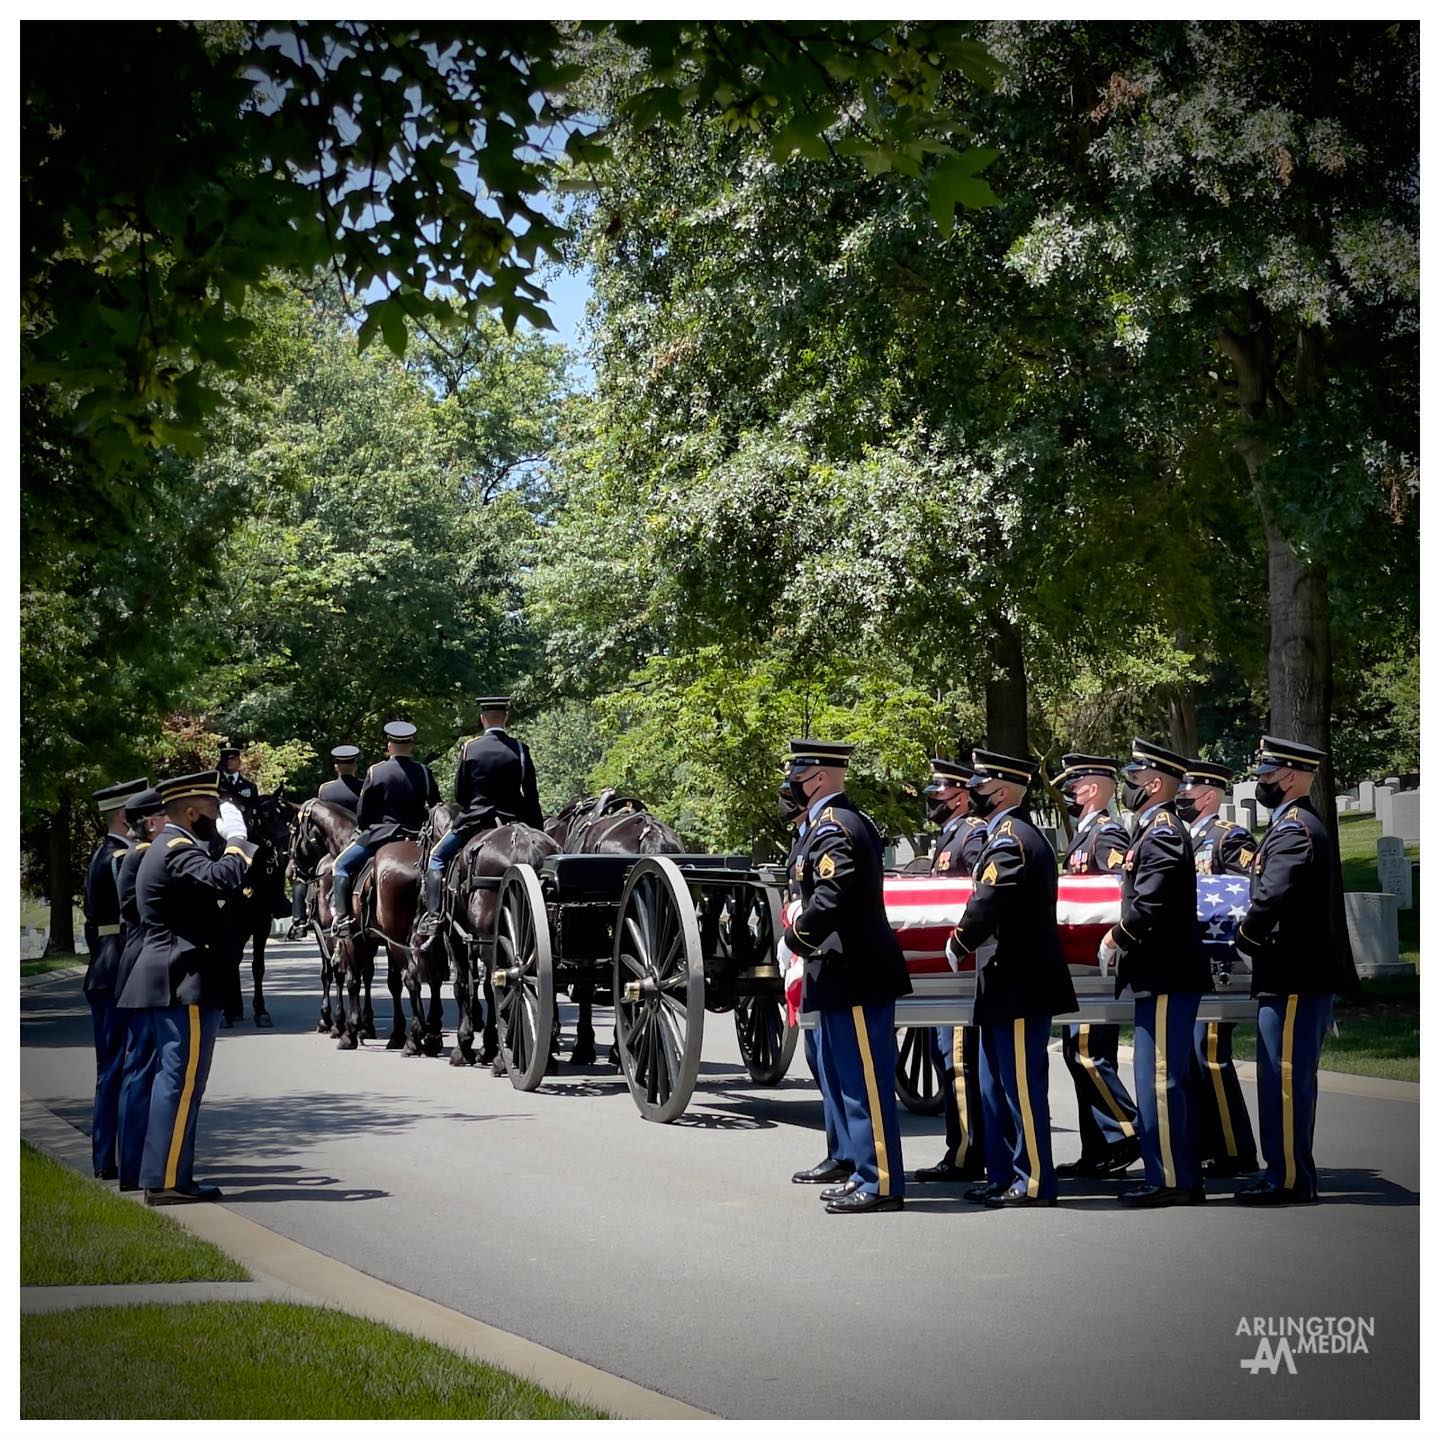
<point>767,1043</point>
<point>919,1082</point>
<point>523,977</point>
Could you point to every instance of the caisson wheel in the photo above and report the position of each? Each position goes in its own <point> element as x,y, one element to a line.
<point>523,977</point>
<point>919,1082</point>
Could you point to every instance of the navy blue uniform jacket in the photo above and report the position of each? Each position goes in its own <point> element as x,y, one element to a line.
<point>181,895</point>
<point>851,954</point>
<point>1014,900</point>
<point>343,791</point>
<point>496,778</point>
<point>102,912</point>
<point>1099,849</point>
<point>1223,848</point>
<point>1158,936</point>
<point>958,847</point>
<point>395,801</point>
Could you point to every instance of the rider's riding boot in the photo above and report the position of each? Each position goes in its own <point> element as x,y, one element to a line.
<point>343,926</point>
<point>298,924</point>
<point>434,899</point>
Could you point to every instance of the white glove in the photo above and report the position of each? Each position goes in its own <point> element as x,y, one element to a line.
<point>954,955</point>
<point>1107,956</point>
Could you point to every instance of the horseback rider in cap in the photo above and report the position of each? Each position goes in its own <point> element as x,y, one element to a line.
<point>342,791</point>
<point>394,802</point>
<point>494,785</point>
<point>102,940</point>
<point>237,788</point>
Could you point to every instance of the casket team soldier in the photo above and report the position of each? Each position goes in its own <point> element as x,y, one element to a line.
<point>394,803</point>
<point>1159,959</point>
<point>854,971</point>
<point>102,940</point>
<point>1223,1136</point>
<point>956,1052</point>
<point>1019,987</point>
<point>1109,1139</point>
<point>343,791</point>
<point>146,814</point>
<point>181,895</point>
<point>1294,969</point>
<point>837,1166</point>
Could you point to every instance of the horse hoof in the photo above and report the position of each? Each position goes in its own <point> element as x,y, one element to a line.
<point>369,1033</point>
<point>497,1066</point>
<point>336,1032</point>
<point>612,1057</point>
<point>325,1026</point>
<point>489,1056</point>
<point>408,1049</point>
<point>459,1057</point>
<point>583,1055</point>
<point>348,1042</point>
<point>263,1020</point>
<point>396,1042</point>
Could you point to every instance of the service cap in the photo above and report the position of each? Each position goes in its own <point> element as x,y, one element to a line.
<point>492,702</point>
<point>819,752</point>
<point>947,772</point>
<point>1077,767</point>
<point>1146,755</point>
<point>146,803</point>
<point>1277,754</point>
<point>992,765</point>
<point>202,784</point>
<point>345,752</point>
<point>399,730</point>
<point>112,797</point>
<point>1208,772</point>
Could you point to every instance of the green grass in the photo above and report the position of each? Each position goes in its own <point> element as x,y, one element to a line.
<point>73,1231</point>
<point>52,962</point>
<point>1356,838</point>
<point>258,1360</point>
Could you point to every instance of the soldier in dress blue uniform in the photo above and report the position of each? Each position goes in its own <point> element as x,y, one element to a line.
<point>956,1052</point>
<point>494,785</point>
<point>837,1166</point>
<point>854,971</point>
<point>1223,1136</point>
<point>234,786</point>
<point>395,801</point>
<point>1109,1137</point>
<point>1158,958</point>
<point>342,791</point>
<point>179,975</point>
<point>1295,970</point>
<point>102,940</point>
<point>1019,988</point>
<point>146,814</point>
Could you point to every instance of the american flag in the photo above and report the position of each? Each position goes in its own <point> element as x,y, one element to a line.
<point>1221,903</point>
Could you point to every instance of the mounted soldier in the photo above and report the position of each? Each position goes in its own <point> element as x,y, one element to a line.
<point>394,801</point>
<point>343,790</point>
<point>494,785</point>
<point>234,786</point>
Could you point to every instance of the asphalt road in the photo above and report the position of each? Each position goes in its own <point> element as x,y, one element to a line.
<point>681,1257</point>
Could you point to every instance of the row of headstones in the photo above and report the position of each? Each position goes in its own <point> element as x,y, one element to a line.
<point>33,941</point>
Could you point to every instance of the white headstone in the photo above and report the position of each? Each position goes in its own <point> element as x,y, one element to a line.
<point>1404,817</point>
<point>1344,804</point>
<point>1227,812</point>
<point>1383,796</point>
<point>1367,796</point>
<point>1127,819</point>
<point>1394,869</point>
<point>1393,781</point>
<point>1248,816</point>
<point>1244,790</point>
<point>1374,925</point>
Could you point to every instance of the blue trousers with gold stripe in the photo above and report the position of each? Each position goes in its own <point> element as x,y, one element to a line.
<point>1107,1113</point>
<point>136,1077</point>
<point>1290,1031</point>
<point>184,1037</point>
<point>957,1056</point>
<point>857,1052</point>
<point>837,1143</point>
<point>1164,1035</point>
<point>1221,1121</point>
<point>108,1028</point>
<point>1015,1084</point>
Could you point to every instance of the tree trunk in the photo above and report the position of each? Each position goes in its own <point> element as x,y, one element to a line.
<point>61,940</point>
<point>1006,696</point>
<point>1183,727</point>
<point>1301,685</point>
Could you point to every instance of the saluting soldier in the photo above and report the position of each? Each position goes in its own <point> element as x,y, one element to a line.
<point>1019,988</point>
<point>179,975</point>
<point>1109,1137</point>
<point>494,785</point>
<point>956,1050</point>
<point>1158,959</point>
<point>854,971</point>
<point>837,1166</point>
<point>1223,1137</point>
<point>343,791</point>
<point>102,940</point>
<point>1294,969</point>
<point>394,802</point>
<point>146,814</point>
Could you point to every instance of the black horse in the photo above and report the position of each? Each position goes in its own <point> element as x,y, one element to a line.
<point>262,901</point>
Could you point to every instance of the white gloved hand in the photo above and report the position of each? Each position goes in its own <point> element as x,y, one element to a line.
<point>1107,955</point>
<point>954,955</point>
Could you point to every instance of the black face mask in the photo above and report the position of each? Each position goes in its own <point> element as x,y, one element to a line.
<point>1136,797</point>
<point>1074,806</point>
<point>790,805</point>
<point>1269,794</point>
<point>205,828</point>
<point>937,811</point>
<point>981,805</point>
<point>1187,809</point>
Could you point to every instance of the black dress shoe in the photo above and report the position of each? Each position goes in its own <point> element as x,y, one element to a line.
<point>838,1192</point>
<point>1227,1169</point>
<point>1121,1157</point>
<point>1014,1200</point>
<point>827,1172</point>
<point>1154,1197</point>
<point>178,1197</point>
<point>127,1189</point>
<point>943,1174</point>
<point>1088,1166</point>
<point>1264,1193</point>
<point>982,1192</point>
<point>859,1202</point>
<point>107,1174</point>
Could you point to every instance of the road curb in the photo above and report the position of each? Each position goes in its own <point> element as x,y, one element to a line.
<point>294,1272</point>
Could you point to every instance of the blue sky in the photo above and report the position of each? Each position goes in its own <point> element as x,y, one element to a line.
<point>569,291</point>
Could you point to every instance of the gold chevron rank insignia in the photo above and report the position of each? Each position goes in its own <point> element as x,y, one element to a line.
<point>826,868</point>
<point>991,874</point>
<point>1113,859</point>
